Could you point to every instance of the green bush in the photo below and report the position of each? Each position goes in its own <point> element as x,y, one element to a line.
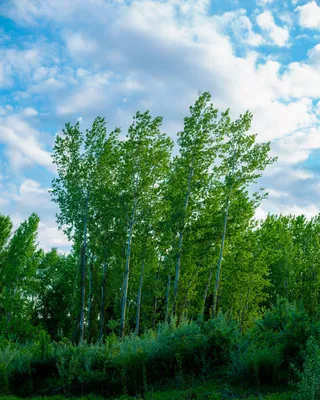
<point>267,352</point>
<point>4,381</point>
<point>223,334</point>
<point>176,354</point>
<point>309,384</point>
<point>80,365</point>
<point>156,353</point>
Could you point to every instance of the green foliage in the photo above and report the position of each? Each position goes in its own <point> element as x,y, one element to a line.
<point>309,384</point>
<point>5,230</point>
<point>223,334</point>
<point>149,234</point>
<point>79,365</point>
<point>4,380</point>
<point>275,344</point>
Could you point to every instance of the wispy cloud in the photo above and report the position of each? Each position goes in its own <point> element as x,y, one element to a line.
<point>83,58</point>
<point>279,35</point>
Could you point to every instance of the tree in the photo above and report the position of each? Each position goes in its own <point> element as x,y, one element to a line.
<point>54,310</point>
<point>190,172</point>
<point>77,157</point>
<point>19,266</point>
<point>145,157</point>
<point>5,230</point>
<point>245,282</point>
<point>242,163</point>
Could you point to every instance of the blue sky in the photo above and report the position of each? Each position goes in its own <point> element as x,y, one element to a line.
<point>65,60</point>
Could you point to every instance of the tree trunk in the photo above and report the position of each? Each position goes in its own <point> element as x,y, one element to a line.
<point>167,299</point>
<point>102,305</point>
<point>177,272</point>
<point>126,272</point>
<point>139,298</point>
<point>154,318</point>
<point>216,287</point>
<point>90,297</point>
<point>206,293</point>
<point>195,273</point>
<point>245,308</point>
<point>83,273</point>
<point>9,308</point>
<point>12,299</point>
<point>177,275</point>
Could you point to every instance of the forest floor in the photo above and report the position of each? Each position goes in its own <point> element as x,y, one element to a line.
<point>205,391</point>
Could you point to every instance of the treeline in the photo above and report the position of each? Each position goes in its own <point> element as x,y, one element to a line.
<point>156,235</point>
<point>40,291</point>
<point>150,229</point>
<point>170,277</point>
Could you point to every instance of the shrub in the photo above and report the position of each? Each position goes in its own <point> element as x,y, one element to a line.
<point>4,381</point>
<point>223,335</point>
<point>309,384</point>
<point>80,365</point>
<point>266,353</point>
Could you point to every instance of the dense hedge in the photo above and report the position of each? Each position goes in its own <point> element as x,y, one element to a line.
<point>271,352</point>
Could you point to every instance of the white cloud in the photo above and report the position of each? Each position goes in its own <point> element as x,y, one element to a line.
<point>2,75</point>
<point>276,193</point>
<point>265,2</point>
<point>79,45</point>
<point>116,57</point>
<point>22,141</point>
<point>50,236</point>
<point>279,35</point>
<point>308,211</point>
<point>91,89</point>
<point>314,54</point>
<point>309,15</point>
<point>300,80</point>
<point>296,148</point>
<point>278,119</point>
<point>29,112</point>
<point>241,26</point>
<point>31,187</point>
<point>20,201</point>
<point>301,174</point>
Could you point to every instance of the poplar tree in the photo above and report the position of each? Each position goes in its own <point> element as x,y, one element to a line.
<point>19,266</point>
<point>145,157</point>
<point>242,163</point>
<point>5,230</point>
<point>77,156</point>
<point>199,144</point>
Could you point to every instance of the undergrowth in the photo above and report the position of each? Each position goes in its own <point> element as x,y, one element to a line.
<point>282,347</point>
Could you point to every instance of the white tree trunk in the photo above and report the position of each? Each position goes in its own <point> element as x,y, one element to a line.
<point>83,272</point>
<point>177,272</point>
<point>102,304</point>
<point>139,298</point>
<point>216,286</point>
<point>126,272</point>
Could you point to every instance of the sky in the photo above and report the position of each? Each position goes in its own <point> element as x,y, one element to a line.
<point>72,60</point>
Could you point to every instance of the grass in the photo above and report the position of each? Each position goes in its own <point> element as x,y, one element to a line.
<point>205,391</point>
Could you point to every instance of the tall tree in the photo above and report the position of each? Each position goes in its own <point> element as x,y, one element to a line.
<point>190,171</point>
<point>5,230</point>
<point>245,282</point>
<point>106,227</point>
<point>54,309</point>
<point>19,267</point>
<point>145,157</point>
<point>242,163</point>
<point>77,156</point>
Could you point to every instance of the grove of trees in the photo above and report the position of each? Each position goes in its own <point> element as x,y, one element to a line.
<point>169,272</point>
<point>156,236</point>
